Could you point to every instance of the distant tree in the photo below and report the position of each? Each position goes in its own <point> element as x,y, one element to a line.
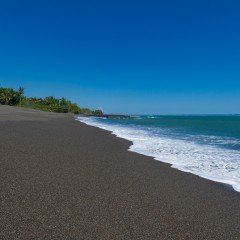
<point>50,100</point>
<point>98,113</point>
<point>20,92</point>
<point>8,96</point>
<point>86,111</point>
<point>63,102</point>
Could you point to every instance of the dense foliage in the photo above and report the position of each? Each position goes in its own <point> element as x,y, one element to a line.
<point>9,96</point>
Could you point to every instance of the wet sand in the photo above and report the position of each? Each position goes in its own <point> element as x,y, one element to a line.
<point>62,179</point>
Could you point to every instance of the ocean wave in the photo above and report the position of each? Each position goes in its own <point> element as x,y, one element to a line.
<point>205,160</point>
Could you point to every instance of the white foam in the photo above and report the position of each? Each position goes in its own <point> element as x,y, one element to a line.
<point>208,161</point>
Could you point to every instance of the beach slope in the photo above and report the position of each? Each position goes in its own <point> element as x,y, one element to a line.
<point>62,179</point>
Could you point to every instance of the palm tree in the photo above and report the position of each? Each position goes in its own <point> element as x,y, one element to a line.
<point>20,92</point>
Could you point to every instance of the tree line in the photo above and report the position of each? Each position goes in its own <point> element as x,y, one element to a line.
<point>9,96</point>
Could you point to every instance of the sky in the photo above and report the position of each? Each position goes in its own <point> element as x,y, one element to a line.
<point>133,57</point>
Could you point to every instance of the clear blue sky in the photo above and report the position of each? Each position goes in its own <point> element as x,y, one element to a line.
<point>153,57</point>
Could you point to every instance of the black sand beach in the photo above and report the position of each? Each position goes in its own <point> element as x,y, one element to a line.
<point>61,179</point>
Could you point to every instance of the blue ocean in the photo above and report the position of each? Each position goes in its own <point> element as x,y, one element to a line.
<point>206,145</point>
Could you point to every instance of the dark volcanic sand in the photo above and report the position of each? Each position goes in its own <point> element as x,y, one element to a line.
<point>61,179</point>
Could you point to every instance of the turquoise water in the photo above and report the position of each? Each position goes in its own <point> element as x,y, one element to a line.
<point>208,146</point>
<point>221,130</point>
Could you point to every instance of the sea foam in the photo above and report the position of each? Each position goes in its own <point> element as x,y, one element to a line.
<point>210,162</point>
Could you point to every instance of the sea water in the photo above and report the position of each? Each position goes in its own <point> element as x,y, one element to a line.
<point>208,146</point>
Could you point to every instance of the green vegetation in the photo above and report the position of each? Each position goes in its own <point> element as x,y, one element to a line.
<point>9,96</point>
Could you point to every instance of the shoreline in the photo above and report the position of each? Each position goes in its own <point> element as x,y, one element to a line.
<point>131,148</point>
<point>65,179</point>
